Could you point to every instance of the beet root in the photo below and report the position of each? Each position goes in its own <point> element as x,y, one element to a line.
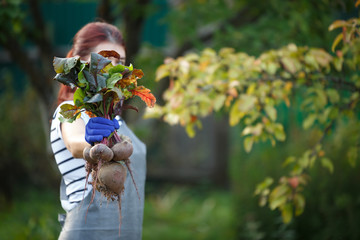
<point>122,150</point>
<point>86,155</point>
<point>112,177</point>
<point>101,152</point>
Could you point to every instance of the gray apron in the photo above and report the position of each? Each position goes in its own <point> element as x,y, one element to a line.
<point>102,220</point>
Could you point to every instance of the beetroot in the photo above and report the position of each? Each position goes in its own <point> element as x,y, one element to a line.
<point>112,177</point>
<point>101,152</point>
<point>86,155</point>
<point>122,150</point>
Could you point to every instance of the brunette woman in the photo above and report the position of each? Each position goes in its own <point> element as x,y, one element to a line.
<point>68,141</point>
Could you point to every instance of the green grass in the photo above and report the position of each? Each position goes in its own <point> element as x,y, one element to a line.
<point>188,213</point>
<point>171,212</point>
<point>31,215</point>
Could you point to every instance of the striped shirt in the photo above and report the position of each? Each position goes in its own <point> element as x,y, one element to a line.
<point>72,169</point>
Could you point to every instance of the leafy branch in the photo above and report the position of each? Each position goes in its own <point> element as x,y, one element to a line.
<point>250,90</point>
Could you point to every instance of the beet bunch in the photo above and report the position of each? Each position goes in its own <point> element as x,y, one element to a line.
<point>108,166</point>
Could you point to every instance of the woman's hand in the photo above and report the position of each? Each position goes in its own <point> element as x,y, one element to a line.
<point>98,127</point>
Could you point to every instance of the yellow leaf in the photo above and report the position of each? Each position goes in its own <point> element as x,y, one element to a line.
<point>161,72</point>
<point>228,101</point>
<point>219,102</point>
<point>271,112</point>
<point>190,130</point>
<point>277,202</point>
<point>299,202</point>
<point>248,143</point>
<point>338,38</point>
<point>337,24</point>
<point>289,85</point>
<point>235,114</point>
<point>287,213</point>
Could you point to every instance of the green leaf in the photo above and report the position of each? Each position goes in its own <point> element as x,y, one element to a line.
<point>130,67</point>
<point>219,102</point>
<point>287,212</point>
<point>277,202</point>
<point>248,143</point>
<point>96,98</point>
<point>309,121</point>
<point>97,62</point>
<point>321,98</point>
<point>279,191</point>
<point>67,79</point>
<point>119,93</point>
<point>101,80</point>
<point>338,63</point>
<point>271,112</point>
<point>235,114</point>
<point>325,162</point>
<point>247,102</point>
<point>254,130</point>
<point>304,160</point>
<point>116,69</point>
<point>290,64</point>
<point>64,65</point>
<point>190,130</point>
<point>111,81</point>
<point>352,155</point>
<point>279,132</point>
<point>68,111</point>
<point>288,161</point>
<point>333,95</point>
<point>82,81</point>
<point>263,185</point>
<point>90,79</point>
<point>299,202</point>
<point>79,96</point>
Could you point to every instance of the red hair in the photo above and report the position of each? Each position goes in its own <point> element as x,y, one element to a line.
<point>85,40</point>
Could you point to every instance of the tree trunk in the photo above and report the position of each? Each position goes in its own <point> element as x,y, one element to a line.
<point>134,15</point>
<point>104,11</point>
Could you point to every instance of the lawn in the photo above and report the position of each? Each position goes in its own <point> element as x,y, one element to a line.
<point>171,212</point>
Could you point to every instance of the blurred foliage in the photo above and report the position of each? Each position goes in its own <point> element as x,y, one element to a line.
<point>255,28</point>
<point>332,202</point>
<point>23,151</point>
<point>31,216</point>
<point>250,90</point>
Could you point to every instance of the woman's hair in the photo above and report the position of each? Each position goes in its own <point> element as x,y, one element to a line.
<point>85,40</point>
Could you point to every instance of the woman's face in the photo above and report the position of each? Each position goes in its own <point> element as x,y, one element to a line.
<point>111,46</point>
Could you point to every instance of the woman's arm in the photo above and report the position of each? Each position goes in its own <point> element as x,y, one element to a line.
<point>74,137</point>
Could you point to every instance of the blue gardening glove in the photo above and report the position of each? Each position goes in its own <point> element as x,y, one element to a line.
<point>98,127</point>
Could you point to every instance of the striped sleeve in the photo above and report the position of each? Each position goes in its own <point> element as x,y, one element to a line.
<point>72,169</point>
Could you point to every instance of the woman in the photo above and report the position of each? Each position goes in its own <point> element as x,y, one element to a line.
<point>68,141</point>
